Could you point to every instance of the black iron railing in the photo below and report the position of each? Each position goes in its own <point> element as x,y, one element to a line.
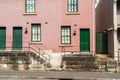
<point>26,47</point>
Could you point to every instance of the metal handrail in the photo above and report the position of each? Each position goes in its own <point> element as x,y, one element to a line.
<point>28,47</point>
<point>64,50</point>
<point>48,59</point>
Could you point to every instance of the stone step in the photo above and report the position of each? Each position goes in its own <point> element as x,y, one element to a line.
<point>79,58</point>
<point>78,61</point>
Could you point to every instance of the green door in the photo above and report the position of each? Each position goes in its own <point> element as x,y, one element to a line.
<point>84,40</point>
<point>17,38</point>
<point>2,38</point>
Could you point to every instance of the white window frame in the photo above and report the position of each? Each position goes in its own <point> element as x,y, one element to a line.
<point>65,35</point>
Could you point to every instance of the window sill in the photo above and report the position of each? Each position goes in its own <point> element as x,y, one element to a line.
<point>66,45</point>
<point>72,13</point>
<point>36,43</point>
<point>29,13</point>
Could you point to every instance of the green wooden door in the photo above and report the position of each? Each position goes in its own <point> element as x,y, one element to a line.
<point>84,40</point>
<point>2,38</point>
<point>17,38</point>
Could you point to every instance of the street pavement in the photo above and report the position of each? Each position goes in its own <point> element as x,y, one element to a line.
<point>60,75</point>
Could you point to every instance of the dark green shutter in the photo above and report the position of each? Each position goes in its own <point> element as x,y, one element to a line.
<point>98,42</point>
<point>101,43</point>
<point>2,38</point>
<point>17,38</point>
<point>105,43</point>
<point>84,40</point>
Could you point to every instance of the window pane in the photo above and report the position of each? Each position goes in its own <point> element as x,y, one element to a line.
<point>72,5</point>
<point>36,32</point>
<point>30,6</point>
<point>69,5</point>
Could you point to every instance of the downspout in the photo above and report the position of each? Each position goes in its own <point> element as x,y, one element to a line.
<point>93,24</point>
<point>115,29</point>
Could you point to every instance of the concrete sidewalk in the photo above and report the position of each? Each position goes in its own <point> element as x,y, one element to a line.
<point>59,74</point>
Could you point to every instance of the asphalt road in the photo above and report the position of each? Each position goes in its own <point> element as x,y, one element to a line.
<point>58,75</point>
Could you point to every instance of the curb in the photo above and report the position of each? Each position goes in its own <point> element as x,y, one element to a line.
<point>46,78</point>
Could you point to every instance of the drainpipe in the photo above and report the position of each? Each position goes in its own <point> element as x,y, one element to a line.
<point>93,24</point>
<point>115,29</point>
<point>116,54</point>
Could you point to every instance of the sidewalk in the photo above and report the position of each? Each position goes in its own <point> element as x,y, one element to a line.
<point>59,75</point>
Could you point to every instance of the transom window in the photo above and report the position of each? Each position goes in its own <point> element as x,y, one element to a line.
<point>72,5</point>
<point>65,35</point>
<point>36,33</point>
<point>30,6</point>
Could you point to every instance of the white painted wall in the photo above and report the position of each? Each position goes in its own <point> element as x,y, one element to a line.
<point>56,60</point>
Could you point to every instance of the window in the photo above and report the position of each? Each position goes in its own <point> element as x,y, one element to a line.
<point>65,35</point>
<point>36,33</point>
<point>30,6</point>
<point>72,5</point>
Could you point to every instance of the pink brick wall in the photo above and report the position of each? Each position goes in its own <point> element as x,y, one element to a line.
<point>54,12</point>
